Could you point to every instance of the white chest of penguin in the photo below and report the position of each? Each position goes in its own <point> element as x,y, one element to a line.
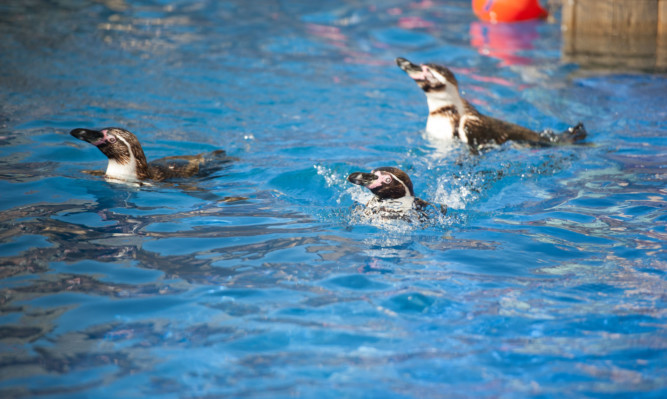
<point>440,127</point>
<point>122,171</point>
<point>445,126</point>
<point>398,205</point>
<point>381,211</point>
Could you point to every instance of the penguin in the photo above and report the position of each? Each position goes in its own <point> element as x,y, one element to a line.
<point>452,117</point>
<point>394,197</point>
<point>127,161</point>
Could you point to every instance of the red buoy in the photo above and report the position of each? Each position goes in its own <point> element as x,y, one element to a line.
<point>508,10</point>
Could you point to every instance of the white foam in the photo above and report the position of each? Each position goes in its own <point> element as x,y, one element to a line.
<point>331,177</point>
<point>450,192</point>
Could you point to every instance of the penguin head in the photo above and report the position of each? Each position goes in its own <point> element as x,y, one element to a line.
<point>385,182</point>
<point>437,81</point>
<point>116,143</point>
<point>126,157</point>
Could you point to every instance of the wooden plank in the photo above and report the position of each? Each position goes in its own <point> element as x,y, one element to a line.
<point>612,17</point>
<point>567,15</point>
<point>615,34</point>
<point>662,18</point>
<point>567,26</point>
<point>612,52</point>
<point>636,17</point>
<point>661,51</point>
<point>594,17</point>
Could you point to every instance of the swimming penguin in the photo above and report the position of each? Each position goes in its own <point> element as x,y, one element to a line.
<point>128,162</point>
<point>394,196</point>
<point>451,116</point>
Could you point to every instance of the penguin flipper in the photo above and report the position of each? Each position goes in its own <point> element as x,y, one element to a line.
<point>422,205</point>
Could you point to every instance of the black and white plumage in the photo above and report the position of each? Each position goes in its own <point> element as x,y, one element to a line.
<point>127,161</point>
<point>394,196</point>
<point>451,116</point>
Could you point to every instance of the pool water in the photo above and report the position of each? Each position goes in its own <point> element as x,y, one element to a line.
<point>546,278</point>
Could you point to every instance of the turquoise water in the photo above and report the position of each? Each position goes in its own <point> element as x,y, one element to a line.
<point>546,278</point>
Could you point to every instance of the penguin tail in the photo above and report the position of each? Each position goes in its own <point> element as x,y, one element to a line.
<point>572,135</point>
<point>217,157</point>
<point>214,161</point>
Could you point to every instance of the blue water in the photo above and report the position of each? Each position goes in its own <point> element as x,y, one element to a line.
<point>546,279</point>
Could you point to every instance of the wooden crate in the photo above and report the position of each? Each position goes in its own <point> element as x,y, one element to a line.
<point>615,34</point>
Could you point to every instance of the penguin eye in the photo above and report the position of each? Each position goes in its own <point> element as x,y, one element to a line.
<point>112,139</point>
<point>387,179</point>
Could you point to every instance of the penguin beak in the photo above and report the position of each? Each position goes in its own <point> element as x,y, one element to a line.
<point>91,136</point>
<point>362,179</point>
<point>408,66</point>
